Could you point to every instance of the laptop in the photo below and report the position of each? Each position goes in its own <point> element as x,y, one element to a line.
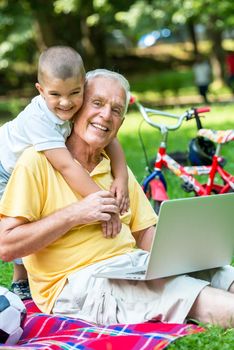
<point>192,234</point>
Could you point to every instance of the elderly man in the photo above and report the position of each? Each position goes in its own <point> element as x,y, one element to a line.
<point>59,233</point>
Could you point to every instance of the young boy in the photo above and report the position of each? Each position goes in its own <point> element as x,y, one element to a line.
<point>45,124</point>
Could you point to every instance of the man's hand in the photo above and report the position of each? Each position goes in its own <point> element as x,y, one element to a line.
<point>18,237</point>
<point>98,206</point>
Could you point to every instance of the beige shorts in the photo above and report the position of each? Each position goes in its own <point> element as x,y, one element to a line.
<point>107,301</point>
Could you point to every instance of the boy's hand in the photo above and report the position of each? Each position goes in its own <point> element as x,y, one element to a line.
<point>112,227</point>
<point>120,190</point>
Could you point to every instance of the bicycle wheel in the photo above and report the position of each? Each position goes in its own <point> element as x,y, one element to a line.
<point>156,206</point>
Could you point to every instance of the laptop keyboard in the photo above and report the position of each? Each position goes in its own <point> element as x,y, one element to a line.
<point>137,273</point>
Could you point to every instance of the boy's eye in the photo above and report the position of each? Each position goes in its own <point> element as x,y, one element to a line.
<point>54,94</point>
<point>76,92</point>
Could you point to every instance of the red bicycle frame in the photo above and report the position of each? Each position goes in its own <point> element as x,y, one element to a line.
<point>155,183</point>
<point>187,176</point>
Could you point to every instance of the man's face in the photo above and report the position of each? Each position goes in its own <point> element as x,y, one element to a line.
<point>63,97</point>
<point>102,113</point>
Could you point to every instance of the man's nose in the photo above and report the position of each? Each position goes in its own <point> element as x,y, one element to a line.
<point>106,112</point>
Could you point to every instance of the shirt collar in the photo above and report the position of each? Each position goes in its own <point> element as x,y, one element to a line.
<point>103,166</point>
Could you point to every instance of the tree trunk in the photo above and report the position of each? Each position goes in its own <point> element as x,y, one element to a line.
<point>88,50</point>
<point>99,43</point>
<point>44,33</point>
<point>191,29</point>
<point>218,52</point>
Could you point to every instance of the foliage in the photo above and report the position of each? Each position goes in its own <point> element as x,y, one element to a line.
<point>99,29</point>
<point>144,16</point>
<point>203,11</point>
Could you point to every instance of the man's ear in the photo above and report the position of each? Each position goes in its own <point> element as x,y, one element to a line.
<point>123,119</point>
<point>40,89</point>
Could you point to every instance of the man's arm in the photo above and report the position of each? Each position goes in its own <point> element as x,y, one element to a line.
<point>19,237</point>
<point>144,238</point>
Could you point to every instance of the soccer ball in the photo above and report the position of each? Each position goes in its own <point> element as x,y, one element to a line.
<point>12,316</point>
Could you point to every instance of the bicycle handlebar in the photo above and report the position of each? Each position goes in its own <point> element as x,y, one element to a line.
<point>202,110</point>
<point>189,114</point>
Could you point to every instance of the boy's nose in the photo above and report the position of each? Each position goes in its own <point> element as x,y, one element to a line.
<point>65,102</point>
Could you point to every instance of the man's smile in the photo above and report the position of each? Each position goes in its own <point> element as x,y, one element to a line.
<point>99,126</point>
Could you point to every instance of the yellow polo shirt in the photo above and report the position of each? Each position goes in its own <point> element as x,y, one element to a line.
<point>36,190</point>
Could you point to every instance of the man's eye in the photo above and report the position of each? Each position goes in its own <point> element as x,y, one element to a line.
<point>97,103</point>
<point>117,111</point>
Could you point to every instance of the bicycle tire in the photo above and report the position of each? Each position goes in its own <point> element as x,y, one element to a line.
<point>229,191</point>
<point>156,206</point>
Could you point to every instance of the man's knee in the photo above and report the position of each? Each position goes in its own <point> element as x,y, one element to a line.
<point>231,289</point>
<point>214,306</point>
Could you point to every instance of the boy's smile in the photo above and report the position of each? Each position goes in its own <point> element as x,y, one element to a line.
<point>63,97</point>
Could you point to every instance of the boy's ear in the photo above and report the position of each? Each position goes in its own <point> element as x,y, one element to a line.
<point>39,88</point>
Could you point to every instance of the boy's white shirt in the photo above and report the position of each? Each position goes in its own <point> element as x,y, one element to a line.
<point>35,126</point>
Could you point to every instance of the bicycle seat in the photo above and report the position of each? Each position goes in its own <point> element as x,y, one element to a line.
<point>217,136</point>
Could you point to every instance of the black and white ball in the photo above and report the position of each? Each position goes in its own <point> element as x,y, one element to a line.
<point>12,316</point>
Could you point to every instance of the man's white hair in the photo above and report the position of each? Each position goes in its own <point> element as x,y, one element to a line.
<point>113,75</point>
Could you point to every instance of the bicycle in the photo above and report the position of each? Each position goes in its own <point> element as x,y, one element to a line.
<point>155,185</point>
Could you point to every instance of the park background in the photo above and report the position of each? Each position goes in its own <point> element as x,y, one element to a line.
<point>154,44</point>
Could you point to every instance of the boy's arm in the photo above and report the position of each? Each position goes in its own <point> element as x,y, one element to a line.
<point>79,180</point>
<point>74,174</point>
<point>120,173</point>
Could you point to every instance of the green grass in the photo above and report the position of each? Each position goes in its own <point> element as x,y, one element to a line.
<point>221,117</point>
<point>158,87</point>
<point>10,107</point>
<point>6,274</point>
<point>214,338</point>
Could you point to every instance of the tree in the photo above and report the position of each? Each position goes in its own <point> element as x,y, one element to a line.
<point>28,26</point>
<point>217,16</point>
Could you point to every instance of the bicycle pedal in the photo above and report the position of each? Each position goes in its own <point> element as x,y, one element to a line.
<point>187,187</point>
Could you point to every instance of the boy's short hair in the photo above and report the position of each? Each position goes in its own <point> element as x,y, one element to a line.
<point>61,62</point>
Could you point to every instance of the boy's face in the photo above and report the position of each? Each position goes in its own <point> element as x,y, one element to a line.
<point>63,97</point>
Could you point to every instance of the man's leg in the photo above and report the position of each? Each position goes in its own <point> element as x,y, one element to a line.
<point>214,306</point>
<point>231,289</point>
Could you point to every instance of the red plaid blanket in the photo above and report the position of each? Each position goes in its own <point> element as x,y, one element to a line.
<point>49,332</point>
